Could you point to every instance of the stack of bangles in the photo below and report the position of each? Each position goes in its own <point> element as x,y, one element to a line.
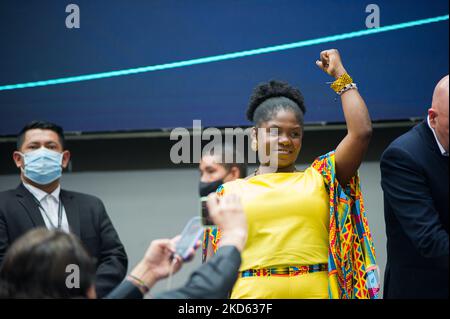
<point>139,283</point>
<point>343,84</point>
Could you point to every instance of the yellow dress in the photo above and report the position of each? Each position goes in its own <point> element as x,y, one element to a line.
<point>288,220</point>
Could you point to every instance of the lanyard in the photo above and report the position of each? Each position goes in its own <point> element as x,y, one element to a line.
<point>60,211</point>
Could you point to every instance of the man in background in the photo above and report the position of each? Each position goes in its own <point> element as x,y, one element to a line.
<point>414,178</point>
<point>215,171</point>
<point>39,201</point>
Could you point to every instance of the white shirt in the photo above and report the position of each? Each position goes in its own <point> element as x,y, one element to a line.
<point>50,203</point>
<point>441,148</point>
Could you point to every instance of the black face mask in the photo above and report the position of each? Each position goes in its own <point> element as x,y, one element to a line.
<point>207,188</point>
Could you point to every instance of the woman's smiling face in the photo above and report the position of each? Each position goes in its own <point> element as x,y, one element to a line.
<point>281,138</point>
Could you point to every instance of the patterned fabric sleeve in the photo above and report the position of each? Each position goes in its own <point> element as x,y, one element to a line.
<point>352,269</point>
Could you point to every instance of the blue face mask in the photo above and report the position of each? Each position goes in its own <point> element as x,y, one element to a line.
<point>42,166</point>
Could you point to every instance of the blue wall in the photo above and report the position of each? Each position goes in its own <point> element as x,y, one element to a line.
<point>396,71</point>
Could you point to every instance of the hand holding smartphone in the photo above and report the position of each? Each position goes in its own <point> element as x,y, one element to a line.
<point>189,237</point>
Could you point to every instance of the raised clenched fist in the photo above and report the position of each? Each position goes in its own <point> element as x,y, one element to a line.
<point>331,63</point>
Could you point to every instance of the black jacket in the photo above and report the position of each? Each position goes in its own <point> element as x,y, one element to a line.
<point>414,178</point>
<point>87,219</point>
<point>212,280</point>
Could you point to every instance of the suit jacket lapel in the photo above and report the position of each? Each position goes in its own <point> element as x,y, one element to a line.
<point>25,198</point>
<point>72,212</point>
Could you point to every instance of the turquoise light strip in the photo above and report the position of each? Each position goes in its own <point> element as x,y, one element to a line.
<point>222,57</point>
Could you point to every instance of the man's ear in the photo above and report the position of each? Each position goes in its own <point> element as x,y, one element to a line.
<point>65,159</point>
<point>235,172</point>
<point>432,116</point>
<point>18,159</point>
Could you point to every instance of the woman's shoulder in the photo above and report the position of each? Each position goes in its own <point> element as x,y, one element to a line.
<point>232,186</point>
<point>324,162</point>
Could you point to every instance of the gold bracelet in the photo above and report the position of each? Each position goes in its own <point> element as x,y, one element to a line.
<point>341,82</point>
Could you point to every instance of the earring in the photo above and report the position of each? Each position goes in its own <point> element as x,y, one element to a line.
<point>254,145</point>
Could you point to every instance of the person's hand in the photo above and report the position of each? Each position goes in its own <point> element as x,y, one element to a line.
<point>159,257</point>
<point>331,63</point>
<point>228,214</point>
<point>158,260</point>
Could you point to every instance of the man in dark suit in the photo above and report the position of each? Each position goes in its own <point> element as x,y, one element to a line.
<point>41,255</point>
<point>414,178</point>
<point>39,201</point>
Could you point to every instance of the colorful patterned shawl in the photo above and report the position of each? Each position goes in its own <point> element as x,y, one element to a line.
<point>352,269</point>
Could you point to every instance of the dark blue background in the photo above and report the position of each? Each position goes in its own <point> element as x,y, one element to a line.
<point>396,71</point>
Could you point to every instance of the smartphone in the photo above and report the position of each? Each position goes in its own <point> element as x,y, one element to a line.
<point>189,237</point>
<point>206,219</point>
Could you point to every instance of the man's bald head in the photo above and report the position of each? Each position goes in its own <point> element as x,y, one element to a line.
<point>438,113</point>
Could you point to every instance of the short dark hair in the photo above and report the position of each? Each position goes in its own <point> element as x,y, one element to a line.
<point>43,125</point>
<point>242,167</point>
<point>35,266</point>
<point>228,148</point>
<point>288,96</point>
